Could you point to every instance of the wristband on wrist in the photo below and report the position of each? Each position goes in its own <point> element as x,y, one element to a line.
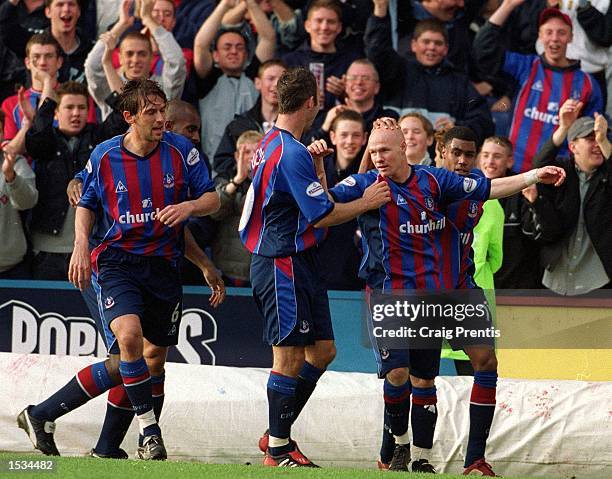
<point>531,177</point>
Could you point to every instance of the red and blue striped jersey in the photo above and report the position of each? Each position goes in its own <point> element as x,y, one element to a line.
<point>409,243</point>
<point>465,216</point>
<point>285,199</point>
<point>543,89</point>
<point>13,114</point>
<point>129,191</point>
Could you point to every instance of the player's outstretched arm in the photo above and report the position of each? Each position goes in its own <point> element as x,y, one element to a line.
<point>195,254</point>
<point>79,271</point>
<point>549,175</point>
<point>374,196</point>
<point>173,215</point>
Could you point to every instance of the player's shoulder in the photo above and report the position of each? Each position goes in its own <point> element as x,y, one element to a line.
<point>103,149</point>
<point>183,145</point>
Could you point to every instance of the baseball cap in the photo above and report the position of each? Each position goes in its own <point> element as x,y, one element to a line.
<point>553,12</point>
<point>581,128</point>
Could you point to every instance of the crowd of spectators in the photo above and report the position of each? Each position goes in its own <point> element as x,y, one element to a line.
<point>531,79</point>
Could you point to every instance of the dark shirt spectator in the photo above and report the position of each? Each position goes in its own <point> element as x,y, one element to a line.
<point>577,256</point>
<point>61,152</point>
<point>428,83</point>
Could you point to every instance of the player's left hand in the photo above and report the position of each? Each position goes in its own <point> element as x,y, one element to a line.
<point>551,175</point>
<point>319,150</point>
<point>215,282</point>
<point>174,215</point>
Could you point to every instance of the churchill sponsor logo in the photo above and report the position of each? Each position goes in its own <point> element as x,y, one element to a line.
<point>423,229</point>
<point>130,218</point>
<point>534,114</point>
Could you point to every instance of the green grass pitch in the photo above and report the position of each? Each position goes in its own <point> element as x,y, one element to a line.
<point>90,468</point>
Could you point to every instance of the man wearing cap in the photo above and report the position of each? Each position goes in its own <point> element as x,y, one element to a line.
<point>545,82</point>
<point>220,60</point>
<point>575,219</point>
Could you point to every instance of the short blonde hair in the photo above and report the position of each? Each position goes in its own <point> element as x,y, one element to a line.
<point>249,136</point>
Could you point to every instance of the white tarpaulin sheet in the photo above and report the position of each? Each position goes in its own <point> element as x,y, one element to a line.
<point>216,414</point>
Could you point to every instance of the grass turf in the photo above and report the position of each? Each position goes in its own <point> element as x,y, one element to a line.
<point>90,468</point>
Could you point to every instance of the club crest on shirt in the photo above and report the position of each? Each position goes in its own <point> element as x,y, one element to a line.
<point>473,209</point>
<point>429,203</point>
<point>147,203</point>
<point>120,188</point>
<point>384,354</point>
<point>109,302</point>
<point>193,157</point>
<point>168,180</point>
<point>304,327</point>
<point>423,216</point>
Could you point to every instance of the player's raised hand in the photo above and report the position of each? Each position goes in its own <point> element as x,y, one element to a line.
<point>319,150</point>
<point>74,192</point>
<point>551,175</point>
<point>387,123</point>
<point>79,271</point>
<point>215,282</point>
<point>377,194</point>
<point>174,215</point>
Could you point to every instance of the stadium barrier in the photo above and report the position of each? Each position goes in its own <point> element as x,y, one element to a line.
<point>216,414</point>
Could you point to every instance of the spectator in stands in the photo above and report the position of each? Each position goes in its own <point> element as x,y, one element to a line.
<point>320,53</point>
<point>456,15</point>
<point>12,72</point>
<point>135,54</point>
<point>259,118</point>
<point>577,256</point>
<point>521,258</point>
<point>286,22</point>
<point>545,82</point>
<point>229,254</point>
<point>419,136</point>
<point>598,28</point>
<point>226,88</point>
<point>20,19</point>
<point>43,59</point>
<point>340,256</point>
<point>63,17</point>
<point>17,193</point>
<point>362,85</point>
<point>60,152</point>
<point>428,83</point>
